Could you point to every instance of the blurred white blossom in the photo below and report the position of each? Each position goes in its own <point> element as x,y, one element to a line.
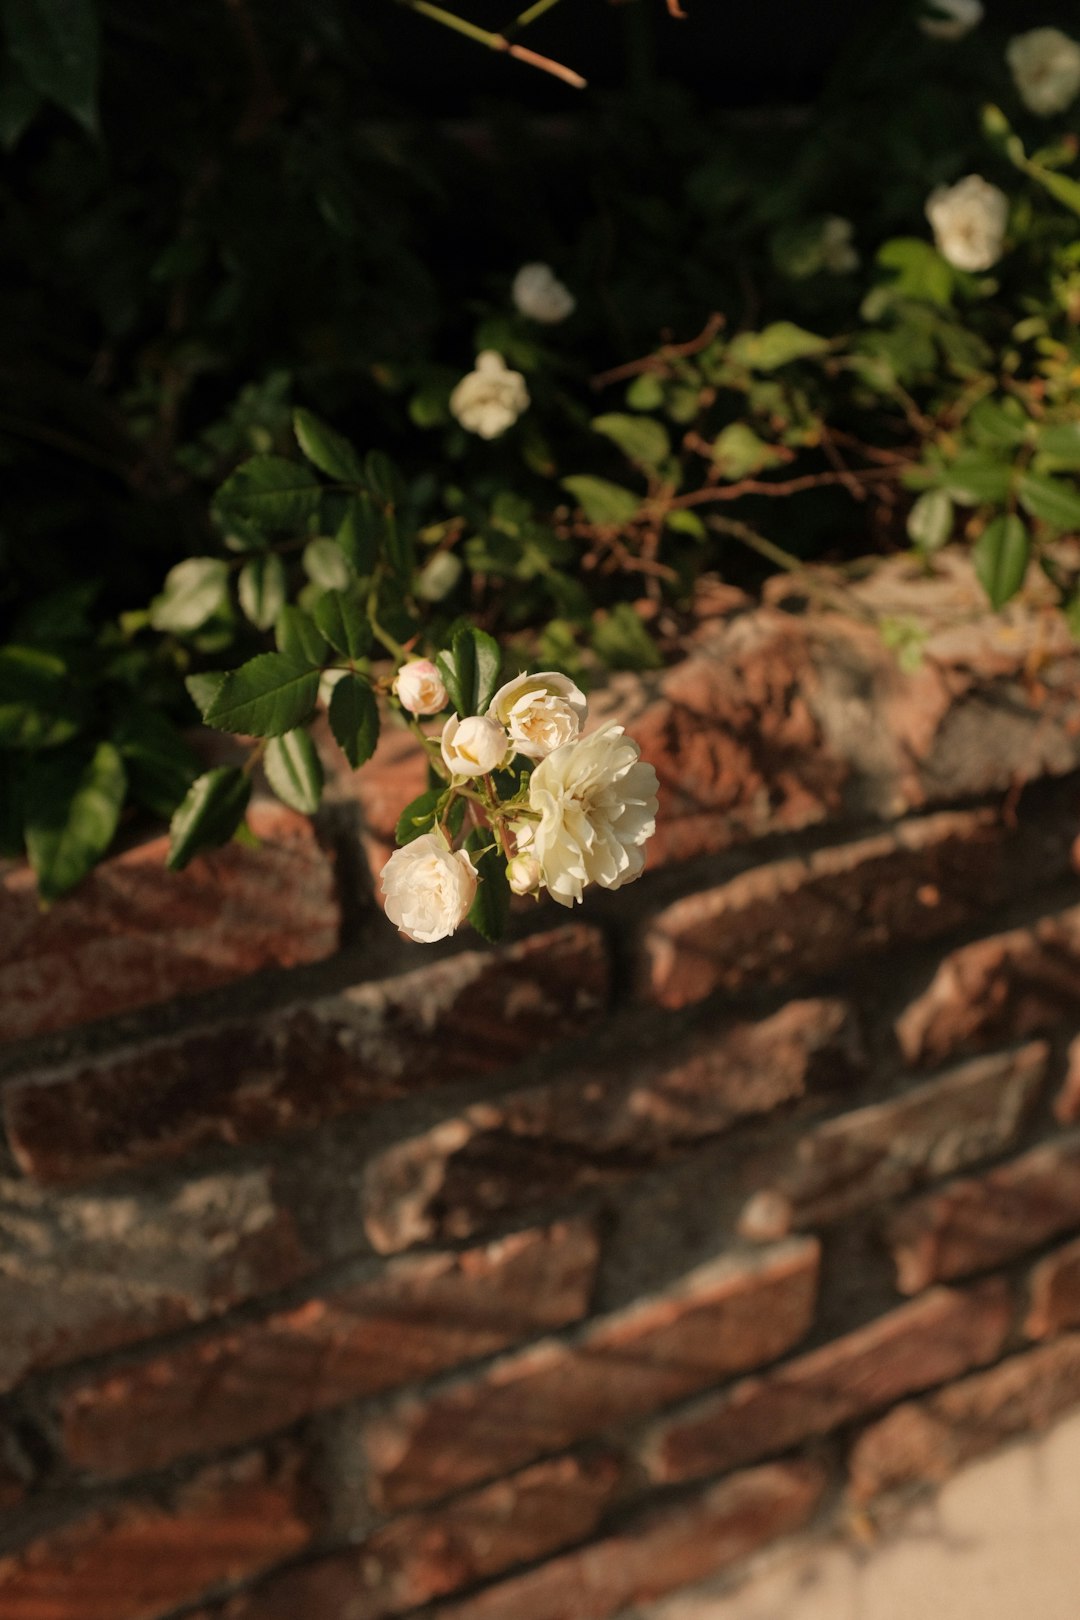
<point>538,293</point>
<point>951,19</point>
<point>969,221</point>
<point>1045,63</point>
<point>490,399</point>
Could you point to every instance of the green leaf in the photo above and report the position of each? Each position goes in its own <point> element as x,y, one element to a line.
<point>488,664</point>
<point>209,815</point>
<point>12,808</point>
<point>299,638</point>
<point>342,619</point>
<point>601,501</point>
<point>1000,422</point>
<point>491,909</point>
<point>977,476</point>
<point>623,641</point>
<point>383,478</point>
<point>399,545</point>
<point>194,591</point>
<point>160,765</point>
<point>72,810</point>
<point>921,272</point>
<point>1052,500</point>
<point>261,589</point>
<point>930,521</point>
<point>639,437</point>
<point>458,670</point>
<point>682,522</point>
<point>204,687</point>
<point>57,44</point>
<point>265,697</point>
<point>1000,556</point>
<point>326,565</point>
<point>775,346</point>
<point>361,533</point>
<point>645,393</point>
<point>1059,442</point>
<point>327,449</point>
<point>738,452</point>
<point>294,771</point>
<point>19,106</point>
<point>38,704</point>
<point>418,817</point>
<point>270,492</point>
<point>354,718</point>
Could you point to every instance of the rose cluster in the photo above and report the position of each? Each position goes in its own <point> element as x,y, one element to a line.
<point>558,809</point>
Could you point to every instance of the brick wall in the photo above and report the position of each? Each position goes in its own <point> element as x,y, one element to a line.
<point>346,1279</point>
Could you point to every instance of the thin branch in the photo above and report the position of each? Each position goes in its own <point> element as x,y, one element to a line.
<point>660,360</point>
<point>791,486</point>
<point>498,42</point>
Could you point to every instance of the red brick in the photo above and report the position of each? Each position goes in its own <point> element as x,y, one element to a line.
<point>133,933</point>
<point>864,1157</point>
<point>83,1274</point>
<point>723,1318</point>
<point>940,1336</point>
<point>285,1071</point>
<point>982,1221</point>
<point>135,1560</point>
<point>420,1316</point>
<point>807,914</point>
<point>1055,1293</point>
<point>423,1556</point>
<point>394,776</point>
<point>927,1440</point>
<point>622,1110</point>
<point>657,1551</point>
<point>995,990</point>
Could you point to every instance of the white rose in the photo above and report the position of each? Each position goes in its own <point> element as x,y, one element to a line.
<point>473,746</point>
<point>523,874</point>
<point>838,252</point>
<point>596,800</point>
<point>491,398</point>
<point>951,19</point>
<point>419,687</point>
<point>541,712</point>
<point>969,222</point>
<point>428,888</point>
<point>1045,64</point>
<point>539,294</point>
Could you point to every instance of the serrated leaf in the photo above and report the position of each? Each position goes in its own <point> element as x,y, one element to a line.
<point>204,687</point>
<point>383,478</point>
<point>490,911</point>
<point>602,501</point>
<point>160,765</point>
<point>57,45</point>
<point>38,704</point>
<point>271,492</point>
<point>645,393</point>
<point>1059,442</point>
<point>326,565</point>
<point>261,589</point>
<point>1000,556</point>
<point>683,522</point>
<point>299,638</point>
<point>488,665</point>
<point>269,695</point>
<point>210,814</point>
<point>342,618</point>
<point>361,533</point>
<point>418,817</point>
<point>327,449</point>
<point>921,272</point>
<point>194,591</point>
<point>72,810</point>
<point>776,345</point>
<point>294,771</point>
<point>640,438</point>
<point>354,719</point>
<point>999,422</point>
<point>978,476</point>
<point>1052,500</point>
<point>930,521</point>
<point>739,452</point>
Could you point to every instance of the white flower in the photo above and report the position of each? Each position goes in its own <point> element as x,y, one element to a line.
<point>429,888</point>
<point>951,19</point>
<point>596,800</point>
<point>473,746</point>
<point>539,294</point>
<point>1045,63</point>
<point>419,687</point>
<point>491,398</point>
<point>541,712</point>
<point>523,874</point>
<point>969,222</point>
<point>838,252</point>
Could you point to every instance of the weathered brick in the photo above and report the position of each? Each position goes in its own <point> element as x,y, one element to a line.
<point>135,1560</point>
<point>621,1112</point>
<point>133,933</point>
<point>1067,1102</point>
<point>995,990</point>
<point>280,1072</point>
<point>940,1336</point>
<point>657,1551</point>
<point>1055,1293</point>
<point>807,914</point>
<point>725,1317</point>
<point>423,1556</point>
<point>420,1316</point>
<point>927,1440</point>
<point>394,776</point>
<point>871,1154</point>
<point>981,1221</point>
<point>84,1274</point>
